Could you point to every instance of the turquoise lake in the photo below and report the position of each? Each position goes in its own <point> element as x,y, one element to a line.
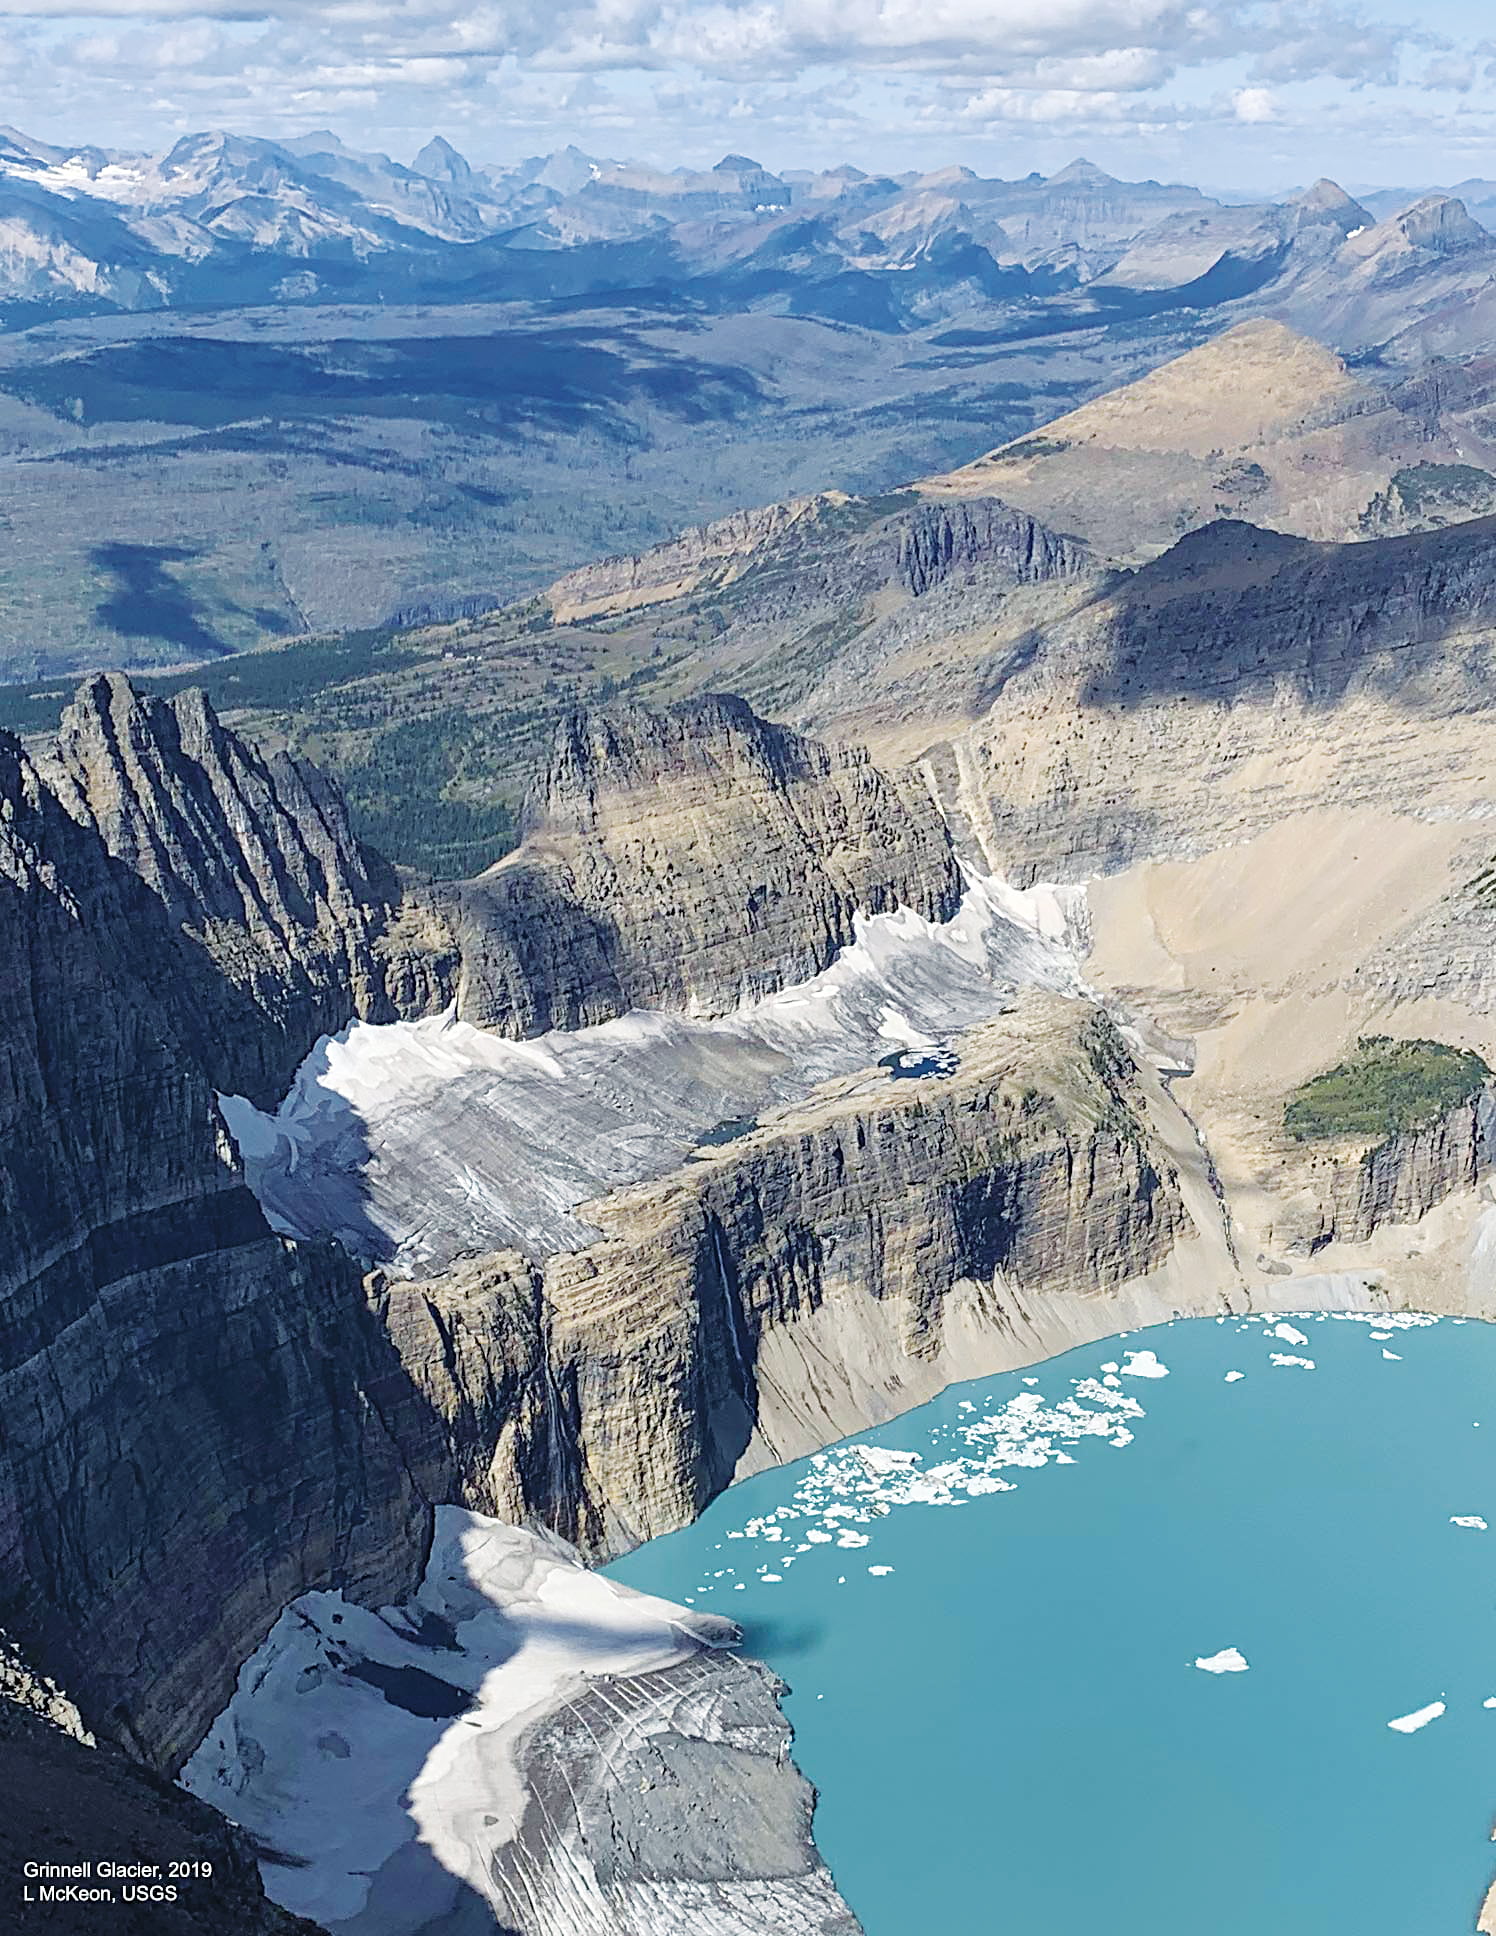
<point>995,1691</point>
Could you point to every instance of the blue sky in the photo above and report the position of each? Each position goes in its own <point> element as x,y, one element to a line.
<point>1244,94</point>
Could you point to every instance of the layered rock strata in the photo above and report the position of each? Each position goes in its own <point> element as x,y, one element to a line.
<point>695,858</point>
<point>201,1421</point>
<point>187,1437</point>
<point>928,1227</point>
<point>1347,1193</point>
<point>1243,675</point>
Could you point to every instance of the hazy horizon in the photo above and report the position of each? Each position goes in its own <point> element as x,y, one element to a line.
<point>1255,95</point>
<point>1047,159</point>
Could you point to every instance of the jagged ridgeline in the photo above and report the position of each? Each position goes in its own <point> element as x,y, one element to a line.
<point>433,735</point>
<point>202,1419</point>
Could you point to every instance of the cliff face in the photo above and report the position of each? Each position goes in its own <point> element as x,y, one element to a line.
<point>1242,676</point>
<point>202,1421</point>
<point>194,1410</point>
<point>692,858</point>
<point>611,1392</point>
<point>187,1435</point>
<point>271,902</point>
<point>1346,1195</point>
<point>786,559</point>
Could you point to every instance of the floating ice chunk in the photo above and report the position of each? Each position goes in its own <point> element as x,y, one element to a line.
<point>1111,1365</point>
<point>1287,1358</point>
<point>878,1571</point>
<point>1396,1356</point>
<point>817,1537</point>
<point>1490,1701</point>
<point>1288,1334</point>
<point>1230,1660</point>
<point>1031,1381</point>
<point>1380,1335</point>
<point>884,1458</point>
<point>1473,1520</point>
<point>1420,1718</point>
<point>1143,1364</point>
<point>1232,1376</point>
<point>852,1539</point>
<point>771,1579</point>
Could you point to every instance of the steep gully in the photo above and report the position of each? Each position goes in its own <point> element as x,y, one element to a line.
<point>206,1420</point>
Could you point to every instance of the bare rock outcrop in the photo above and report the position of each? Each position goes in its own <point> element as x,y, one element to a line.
<point>188,1438</point>
<point>1344,1193</point>
<point>690,858</point>
<point>71,1802</point>
<point>1243,675</point>
<point>615,1390</point>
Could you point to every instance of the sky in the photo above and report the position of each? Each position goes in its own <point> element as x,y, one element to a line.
<point>1245,95</point>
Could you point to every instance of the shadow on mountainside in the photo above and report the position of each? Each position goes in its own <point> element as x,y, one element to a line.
<point>149,601</point>
<point>1232,612</point>
<point>204,1421</point>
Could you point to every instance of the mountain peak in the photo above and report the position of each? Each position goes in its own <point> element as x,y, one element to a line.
<point>1324,194</point>
<point>738,165</point>
<point>1080,172</point>
<point>321,141</point>
<point>1230,394</point>
<point>440,161</point>
<point>1328,199</point>
<point>1443,224</point>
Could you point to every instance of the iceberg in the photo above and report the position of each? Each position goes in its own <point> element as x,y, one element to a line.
<point>1230,1660</point>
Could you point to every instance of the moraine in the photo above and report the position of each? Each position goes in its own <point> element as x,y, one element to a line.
<point>995,1612</point>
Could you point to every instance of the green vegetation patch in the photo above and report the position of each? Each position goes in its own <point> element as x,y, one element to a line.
<point>1458,484</point>
<point>283,677</point>
<point>1386,1088</point>
<point>1036,447</point>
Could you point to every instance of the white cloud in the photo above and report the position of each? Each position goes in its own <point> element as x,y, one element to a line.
<point>903,78</point>
<point>1255,104</point>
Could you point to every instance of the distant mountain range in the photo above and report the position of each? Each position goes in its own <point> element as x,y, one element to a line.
<point>220,219</point>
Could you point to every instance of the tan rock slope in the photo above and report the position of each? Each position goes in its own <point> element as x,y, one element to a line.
<point>1260,422</point>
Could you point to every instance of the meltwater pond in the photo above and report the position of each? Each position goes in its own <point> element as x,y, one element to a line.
<point>1014,1620</point>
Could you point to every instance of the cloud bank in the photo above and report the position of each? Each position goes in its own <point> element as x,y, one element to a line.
<point>1262,84</point>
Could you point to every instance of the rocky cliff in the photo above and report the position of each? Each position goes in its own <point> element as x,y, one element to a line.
<point>203,1421</point>
<point>187,1434</point>
<point>271,904</point>
<point>1346,1193</point>
<point>1241,676</point>
<point>832,550</point>
<point>884,1236</point>
<point>696,858</point>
